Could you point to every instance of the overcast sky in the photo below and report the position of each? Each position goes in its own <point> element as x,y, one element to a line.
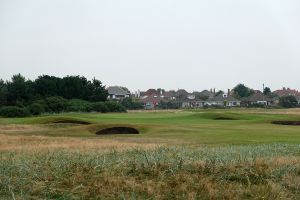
<point>191,44</point>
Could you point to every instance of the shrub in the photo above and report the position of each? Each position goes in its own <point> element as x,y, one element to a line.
<point>14,111</point>
<point>55,104</point>
<point>114,106</point>
<point>36,108</point>
<point>100,107</point>
<point>132,104</point>
<point>169,105</point>
<point>257,105</point>
<point>288,101</point>
<point>78,105</point>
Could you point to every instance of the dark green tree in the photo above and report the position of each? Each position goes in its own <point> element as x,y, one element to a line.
<point>46,86</point>
<point>288,101</point>
<point>267,91</point>
<point>241,91</point>
<point>75,87</point>
<point>3,93</point>
<point>18,90</point>
<point>97,91</point>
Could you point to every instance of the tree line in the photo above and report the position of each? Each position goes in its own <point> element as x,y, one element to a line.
<point>21,97</point>
<point>20,90</point>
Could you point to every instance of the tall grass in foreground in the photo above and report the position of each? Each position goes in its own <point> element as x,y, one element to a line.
<point>235,172</point>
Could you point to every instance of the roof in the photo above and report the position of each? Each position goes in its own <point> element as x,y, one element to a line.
<point>169,94</point>
<point>287,92</point>
<point>152,98</point>
<point>220,97</point>
<point>150,91</point>
<point>257,97</point>
<point>116,90</point>
<point>206,93</point>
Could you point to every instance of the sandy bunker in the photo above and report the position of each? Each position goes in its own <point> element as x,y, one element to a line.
<point>290,123</point>
<point>224,118</point>
<point>118,130</point>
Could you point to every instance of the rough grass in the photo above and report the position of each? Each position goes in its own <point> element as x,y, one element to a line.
<point>239,172</point>
<point>19,143</point>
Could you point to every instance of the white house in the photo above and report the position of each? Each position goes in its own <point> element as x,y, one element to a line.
<point>117,93</point>
<point>223,100</point>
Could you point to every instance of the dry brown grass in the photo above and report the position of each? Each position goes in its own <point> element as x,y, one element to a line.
<point>44,143</point>
<point>14,128</point>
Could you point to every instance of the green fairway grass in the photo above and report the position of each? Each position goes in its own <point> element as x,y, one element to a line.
<point>183,127</point>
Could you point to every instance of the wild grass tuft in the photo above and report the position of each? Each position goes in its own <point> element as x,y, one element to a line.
<point>232,172</point>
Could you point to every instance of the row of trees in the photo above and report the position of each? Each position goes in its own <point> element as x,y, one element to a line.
<point>21,91</point>
<point>22,97</point>
<point>58,104</point>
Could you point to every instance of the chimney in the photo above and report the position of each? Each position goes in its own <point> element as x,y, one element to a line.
<point>210,90</point>
<point>214,90</point>
<point>228,92</point>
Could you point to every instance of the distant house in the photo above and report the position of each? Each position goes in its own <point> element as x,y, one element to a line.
<point>223,100</point>
<point>287,92</point>
<point>117,93</point>
<point>190,100</point>
<point>149,92</point>
<point>151,101</point>
<point>192,103</point>
<point>204,95</point>
<point>171,95</point>
<point>257,99</point>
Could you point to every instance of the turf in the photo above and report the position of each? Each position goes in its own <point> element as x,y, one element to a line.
<point>215,127</point>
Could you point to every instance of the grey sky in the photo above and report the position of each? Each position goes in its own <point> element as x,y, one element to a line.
<point>189,44</point>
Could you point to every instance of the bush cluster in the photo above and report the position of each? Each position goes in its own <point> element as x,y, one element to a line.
<point>59,104</point>
<point>169,105</point>
<point>36,109</point>
<point>14,111</point>
<point>132,104</point>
